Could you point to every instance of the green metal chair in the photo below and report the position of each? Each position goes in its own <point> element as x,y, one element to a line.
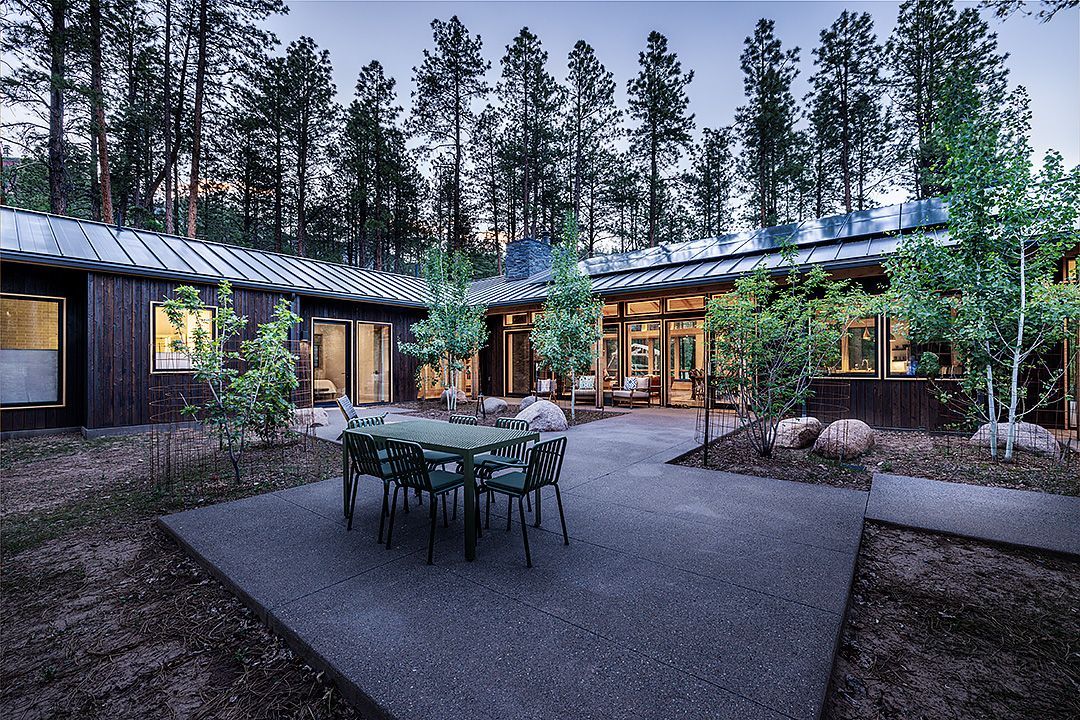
<point>436,458</point>
<point>366,459</point>
<point>409,470</point>
<point>358,422</point>
<point>462,420</point>
<point>512,457</point>
<point>543,469</point>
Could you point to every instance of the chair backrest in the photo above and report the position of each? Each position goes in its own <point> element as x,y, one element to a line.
<point>346,407</point>
<point>369,421</point>
<point>407,465</point>
<point>462,420</point>
<point>520,450</point>
<point>364,455</point>
<point>545,463</point>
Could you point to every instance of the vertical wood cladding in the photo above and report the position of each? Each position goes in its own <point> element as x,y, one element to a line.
<point>23,279</point>
<point>119,343</point>
<point>403,366</point>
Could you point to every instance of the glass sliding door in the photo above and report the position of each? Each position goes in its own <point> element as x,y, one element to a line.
<point>519,363</point>
<point>373,363</point>
<point>331,363</point>
<point>686,362</point>
<point>609,358</point>
<point>643,348</point>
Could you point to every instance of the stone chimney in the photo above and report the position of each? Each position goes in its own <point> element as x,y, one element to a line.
<point>527,256</point>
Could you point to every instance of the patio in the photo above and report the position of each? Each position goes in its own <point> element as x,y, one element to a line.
<point>679,596</point>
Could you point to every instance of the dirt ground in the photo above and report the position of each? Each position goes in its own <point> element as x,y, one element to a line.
<point>435,410</point>
<point>104,617</point>
<point>936,456</point>
<point>941,628</point>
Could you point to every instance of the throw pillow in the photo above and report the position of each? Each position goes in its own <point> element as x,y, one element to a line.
<point>643,383</point>
<point>588,382</point>
<point>630,383</point>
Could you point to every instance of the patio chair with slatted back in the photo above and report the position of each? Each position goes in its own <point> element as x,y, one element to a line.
<point>347,408</point>
<point>543,469</point>
<point>487,464</point>
<point>462,420</point>
<point>358,422</point>
<point>366,459</point>
<point>409,470</point>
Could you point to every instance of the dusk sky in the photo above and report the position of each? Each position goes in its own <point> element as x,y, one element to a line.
<point>708,38</point>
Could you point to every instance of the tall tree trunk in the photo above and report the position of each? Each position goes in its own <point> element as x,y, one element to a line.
<point>653,172</point>
<point>57,79</point>
<point>196,129</point>
<point>97,103</point>
<point>170,222</point>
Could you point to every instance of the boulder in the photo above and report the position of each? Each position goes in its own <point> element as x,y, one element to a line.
<point>310,417</point>
<point>494,406</point>
<point>797,432</point>
<point>844,439</point>
<point>526,401</point>
<point>1029,436</point>
<point>544,416</point>
<point>461,396</point>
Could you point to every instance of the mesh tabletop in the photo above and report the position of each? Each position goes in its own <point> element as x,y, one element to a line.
<point>439,435</point>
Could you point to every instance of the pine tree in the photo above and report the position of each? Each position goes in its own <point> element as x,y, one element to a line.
<point>711,182</point>
<point>592,125</point>
<point>448,80</point>
<point>932,42</point>
<point>658,102</point>
<point>766,123</point>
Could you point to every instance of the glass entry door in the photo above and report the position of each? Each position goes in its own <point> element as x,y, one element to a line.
<point>643,348</point>
<point>373,363</point>
<point>331,360</point>
<point>519,363</point>
<point>686,362</point>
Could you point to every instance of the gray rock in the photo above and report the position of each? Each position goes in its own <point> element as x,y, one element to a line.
<point>844,439</point>
<point>544,416</point>
<point>310,417</point>
<point>494,406</point>
<point>797,432</point>
<point>1029,436</point>
<point>526,401</point>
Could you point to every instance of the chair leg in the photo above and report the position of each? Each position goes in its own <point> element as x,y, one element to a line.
<point>524,533</point>
<point>562,518</point>
<point>445,522</point>
<point>393,510</point>
<point>537,507</point>
<point>528,502</point>
<point>385,508</point>
<point>431,530</point>
<point>352,504</point>
<point>453,515</point>
<point>509,510</point>
<point>406,496</point>
<point>487,510</point>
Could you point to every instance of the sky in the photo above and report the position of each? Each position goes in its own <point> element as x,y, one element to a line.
<point>708,37</point>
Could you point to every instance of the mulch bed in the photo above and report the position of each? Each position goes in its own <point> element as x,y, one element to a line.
<point>942,627</point>
<point>943,457</point>
<point>105,617</point>
<point>436,410</point>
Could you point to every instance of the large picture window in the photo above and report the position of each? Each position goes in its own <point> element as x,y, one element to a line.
<point>858,349</point>
<point>166,355</point>
<point>906,356</point>
<point>31,351</point>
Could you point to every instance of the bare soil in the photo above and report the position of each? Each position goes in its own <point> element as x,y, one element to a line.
<point>942,627</point>
<point>105,617</point>
<point>436,410</point>
<point>943,457</point>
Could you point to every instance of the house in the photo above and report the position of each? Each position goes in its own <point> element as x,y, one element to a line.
<point>84,344</point>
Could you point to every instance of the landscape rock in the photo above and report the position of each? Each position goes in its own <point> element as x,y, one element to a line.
<point>544,416</point>
<point>494,406</point>
<point>797,432</point>
<point>461,396</point>
<point>1029,437</point>
<point>526,401</point>
<point>310,417</point>
<point>844,439</point>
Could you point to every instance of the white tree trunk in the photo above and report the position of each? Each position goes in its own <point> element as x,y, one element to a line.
<point>1018,347</point>
<point>991,410</point>
<point>573,396</point>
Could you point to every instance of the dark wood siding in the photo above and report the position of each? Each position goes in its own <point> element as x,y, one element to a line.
<point>881,403</point>
<point>404,366</point>
<point>119,381</point>
<point>71,285</point>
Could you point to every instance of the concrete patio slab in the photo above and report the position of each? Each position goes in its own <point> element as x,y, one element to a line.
<point>1017,517</point>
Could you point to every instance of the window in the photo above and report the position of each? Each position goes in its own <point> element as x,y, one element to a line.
<point>687,303</point>
<point>373,362</point>
<point>643,307</point>
<point>905,356</point>
<point>643,344</point>
<point>858,349</point>
<point>168,354</point>
<point>31,351</point>
<point>609,356</point>
<point>1070,271</point>
<point>517,319</point>
<point>611,309</point>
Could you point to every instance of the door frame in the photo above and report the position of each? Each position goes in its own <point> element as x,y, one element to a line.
<point>389,361</point>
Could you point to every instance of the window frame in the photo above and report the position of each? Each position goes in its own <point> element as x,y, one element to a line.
<point>61,365</point>
<point>628,312</point>
<point>878,370</point>
<point>390,360</point>
<point>704,304</point>
<point>527,315</point>
<point>154,304</point>
<point>887,347</point>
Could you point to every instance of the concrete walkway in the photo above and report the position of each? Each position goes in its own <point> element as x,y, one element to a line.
<point>1017,517</point>
<point>683,592</point>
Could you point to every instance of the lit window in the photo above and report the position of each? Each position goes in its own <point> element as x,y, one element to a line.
<point>687,303</point>
<point>1070,271</point>
<point>170,343</point>
<point>906,359</point>
<point>517,319</point>
<point>31,351</point>
<point>611,309</point>
<point>643,307</point>
<point>858,349</point>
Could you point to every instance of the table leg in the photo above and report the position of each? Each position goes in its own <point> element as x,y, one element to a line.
<point>469,514</point>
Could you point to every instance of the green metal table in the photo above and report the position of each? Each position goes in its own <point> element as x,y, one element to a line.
<point>468,441</point>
